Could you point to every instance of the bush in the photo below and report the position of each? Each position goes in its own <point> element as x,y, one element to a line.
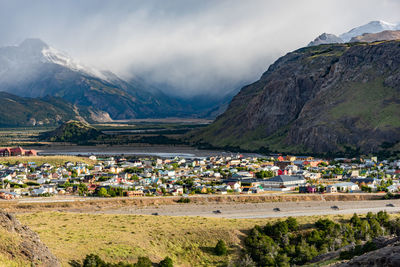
<point>167,262</point>
<point>144,262</point>
<point>93,260</point>
<point>221,249</point>
<point>184,200</point>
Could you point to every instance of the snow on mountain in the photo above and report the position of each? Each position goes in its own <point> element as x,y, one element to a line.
<point>54,56</point>
<point>33,52</point>
<point>326,38</point>
<point>371,27</point>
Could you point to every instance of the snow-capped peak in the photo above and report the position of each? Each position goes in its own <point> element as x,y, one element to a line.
<point>55,56</point>
<point>371,27</point>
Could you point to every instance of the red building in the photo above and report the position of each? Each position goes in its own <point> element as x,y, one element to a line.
<point>16,151</point>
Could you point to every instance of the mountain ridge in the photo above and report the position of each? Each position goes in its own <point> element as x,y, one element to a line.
<point>321,99</point>
<point>36,70</point>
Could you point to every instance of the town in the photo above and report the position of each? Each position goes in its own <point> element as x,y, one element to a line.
<point>136,176</point>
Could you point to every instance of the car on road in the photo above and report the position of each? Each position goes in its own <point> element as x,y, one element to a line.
<point>217,212</point>
<point>334,207</point>
<point>390,205</point>
<point>155,213</point>
<point>277,209</point>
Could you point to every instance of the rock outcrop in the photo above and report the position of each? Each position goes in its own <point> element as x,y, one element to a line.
<point>30,248</point>
<point>328,98</point>
<point>326,38</point>
<point>388,256</point>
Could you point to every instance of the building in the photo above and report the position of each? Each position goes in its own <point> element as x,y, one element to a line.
<point>347,187</point>
<point>16,151</point>
<point>283,181</point>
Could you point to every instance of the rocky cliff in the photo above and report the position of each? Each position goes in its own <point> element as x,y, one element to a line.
<point>328,98</point>
<point>20,244</point>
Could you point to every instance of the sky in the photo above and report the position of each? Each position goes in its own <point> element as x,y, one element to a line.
<point>186,47</point>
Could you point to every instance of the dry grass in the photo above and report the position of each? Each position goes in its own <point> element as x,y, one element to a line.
<point>10,254</point>
<point>54,160</point>
<point>187,240</point>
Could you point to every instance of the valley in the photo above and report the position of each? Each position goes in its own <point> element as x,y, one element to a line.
<point>183,157</point>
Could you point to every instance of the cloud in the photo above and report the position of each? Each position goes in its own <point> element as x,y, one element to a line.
<point>193,47</point>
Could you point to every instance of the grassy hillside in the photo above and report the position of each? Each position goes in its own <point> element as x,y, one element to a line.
<point>24,111</point>
<point>187,240</point>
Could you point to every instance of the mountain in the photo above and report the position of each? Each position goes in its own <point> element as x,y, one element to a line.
<point>327,98</point>
<point>371,27</point>
<point>34,69</point>
<point>24,111</point>
<point>380,36</point>
<point>326,38</point>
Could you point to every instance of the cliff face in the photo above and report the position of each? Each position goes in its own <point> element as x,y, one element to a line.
<point>320,99</point>
<point>18,242</point>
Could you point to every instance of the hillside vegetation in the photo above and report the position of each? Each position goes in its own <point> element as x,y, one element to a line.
<point>72,131</point>
<point>24,111</point>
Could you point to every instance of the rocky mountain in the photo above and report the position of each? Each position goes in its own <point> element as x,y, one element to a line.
<point>20,246</point>
<point>24,111</point>
<point>326,38</point>
<point>374,37</point>
<point>327,98</point>
<point>356,33</point>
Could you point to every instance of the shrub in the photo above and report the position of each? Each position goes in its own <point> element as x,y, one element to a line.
<point>184,200</point>
<point>221,249</point>
<point>144,262</point>
<point>167,262</point>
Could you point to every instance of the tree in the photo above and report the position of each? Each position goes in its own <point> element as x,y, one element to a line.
<point>143,262</point>
<point>166,262</point>
<point>102,192</point>
<point>221,249</point>
<point>82,189</point>
<point>292,224</point>
<point>93,260</point>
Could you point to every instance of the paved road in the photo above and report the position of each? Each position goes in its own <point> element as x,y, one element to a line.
<point>263,210</point>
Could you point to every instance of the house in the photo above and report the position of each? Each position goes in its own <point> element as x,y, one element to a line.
<point>307,189</point>
<point>246,190</point>
<point>347,187</point>
<point>393,188</point>
<point>137,193</point>
<point>364,181</point>
<point>331,189</point>
<point>283,181</point>
<point>8,195</point>
<point>235,186</point>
